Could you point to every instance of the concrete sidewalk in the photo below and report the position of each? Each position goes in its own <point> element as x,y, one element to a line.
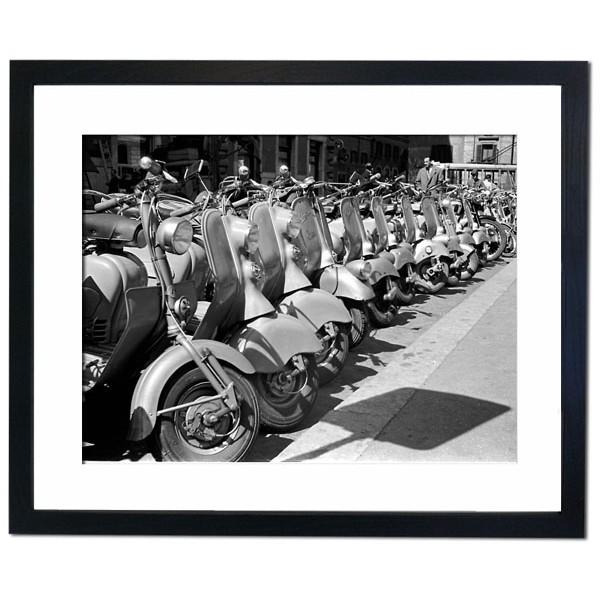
<point>449,396</point>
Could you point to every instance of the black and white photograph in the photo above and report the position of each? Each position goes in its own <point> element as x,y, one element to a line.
<point>334,298</point>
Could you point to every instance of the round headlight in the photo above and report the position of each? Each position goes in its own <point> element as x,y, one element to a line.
<point>428,249</point>
<point>175,235</point>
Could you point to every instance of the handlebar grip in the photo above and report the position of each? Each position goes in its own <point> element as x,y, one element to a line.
<point>239,203</point>
<point>184,210</point>
<point>107,204</point>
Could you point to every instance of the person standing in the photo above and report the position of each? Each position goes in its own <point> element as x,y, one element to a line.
<point>474,181</point>
<point>284,179</point>
<point>428,176</point>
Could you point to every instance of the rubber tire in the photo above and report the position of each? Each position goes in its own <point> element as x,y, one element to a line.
<point>482,261</point>
<point>332,365</point>
<point>495,251</point>
<point>470,268</point>
<point>407,290</point>
<point>359,328</point>
<point>511,242</point>
<point>381,316</point>
<point>169,444</point>
<point>440,280</point>
<point>285,415</point>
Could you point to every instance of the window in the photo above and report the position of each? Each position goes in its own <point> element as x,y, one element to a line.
<point>487,152</point>
<point>284,153</point>
<point>314,159</point>
<point>441,152</point>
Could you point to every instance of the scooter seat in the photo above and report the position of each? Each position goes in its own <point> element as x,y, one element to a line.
<point>114,228</point>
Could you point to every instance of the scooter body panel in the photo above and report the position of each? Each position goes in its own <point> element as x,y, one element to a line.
<point>270,342</point>
<point>402,257</point>
<point>480,237</point>
<point>153,380</point>
<point>380,267</point>
<point>437,249</point>
<point>314,308</point>
<point>339,281</point>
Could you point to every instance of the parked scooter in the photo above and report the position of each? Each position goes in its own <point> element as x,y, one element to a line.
<point>280,348</point>
<point>292,293</point>
<point>480,203</point>
<point>465,260</point>
<point>354,249</point>
<point>314,241</point>
<point>468,222</point>
<point>383,237</point>
<point>192,396</point>
<point>432,259</point>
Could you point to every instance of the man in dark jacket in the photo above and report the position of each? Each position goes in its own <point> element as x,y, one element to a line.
<point>428,176</point>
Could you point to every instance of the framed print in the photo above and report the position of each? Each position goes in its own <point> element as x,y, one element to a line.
<point>461,414</point>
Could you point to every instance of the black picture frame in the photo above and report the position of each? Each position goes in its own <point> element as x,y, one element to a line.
<point>569,522</point>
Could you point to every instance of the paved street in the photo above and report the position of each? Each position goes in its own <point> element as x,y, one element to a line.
<point>440,384</point>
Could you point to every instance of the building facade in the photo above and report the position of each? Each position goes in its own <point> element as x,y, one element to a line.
<point>333,158</point>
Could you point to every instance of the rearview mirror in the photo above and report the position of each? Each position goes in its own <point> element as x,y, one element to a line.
<point>196,168</point>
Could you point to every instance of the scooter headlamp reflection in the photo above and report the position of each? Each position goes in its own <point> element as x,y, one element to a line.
<point>175,235</point>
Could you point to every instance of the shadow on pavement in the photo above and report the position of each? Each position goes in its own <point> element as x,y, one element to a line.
<point>418,419</point>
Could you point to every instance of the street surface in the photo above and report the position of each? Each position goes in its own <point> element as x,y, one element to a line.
<point>440,384</point>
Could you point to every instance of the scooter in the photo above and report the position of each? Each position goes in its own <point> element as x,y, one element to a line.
<point>432,258</point>
<point>354,250</point>
<point>192,397</point>
<point>465,260</point>
<point>383,236</point>
<point>469,223</point>
<point>314,241</point>
<point>282,349</point>
<point>291,292</point>
<point>481,204</point>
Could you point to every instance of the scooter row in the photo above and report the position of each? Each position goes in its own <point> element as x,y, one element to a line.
<point>213,325</point>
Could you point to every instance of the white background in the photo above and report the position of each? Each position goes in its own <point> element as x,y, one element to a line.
<point>64,113</point>
<point>96,567</point>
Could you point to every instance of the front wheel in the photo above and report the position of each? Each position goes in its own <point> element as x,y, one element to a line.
<point>433,280</point>
<point>470,267</point>
<point>511,242</point>
<point>359,328</point>
<point>336,345</point>
<point>406,286</point>
<point>382,308</point>
<point>497,237</point>
<point>209,431</point>
<point>287,397</point>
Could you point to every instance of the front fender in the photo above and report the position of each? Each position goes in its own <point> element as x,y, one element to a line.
<point>314,308</point>
<point>340,282</point>
<point>402,257</point>
<point>269,342</point>
<point>480,237</point>
<point>153,380</point>
<point>381,267</point>
<point>437,249</point>
<point>466,238</point>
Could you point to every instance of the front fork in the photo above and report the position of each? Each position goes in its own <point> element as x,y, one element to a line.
<point>436,267</point>
<point>215,374</point>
